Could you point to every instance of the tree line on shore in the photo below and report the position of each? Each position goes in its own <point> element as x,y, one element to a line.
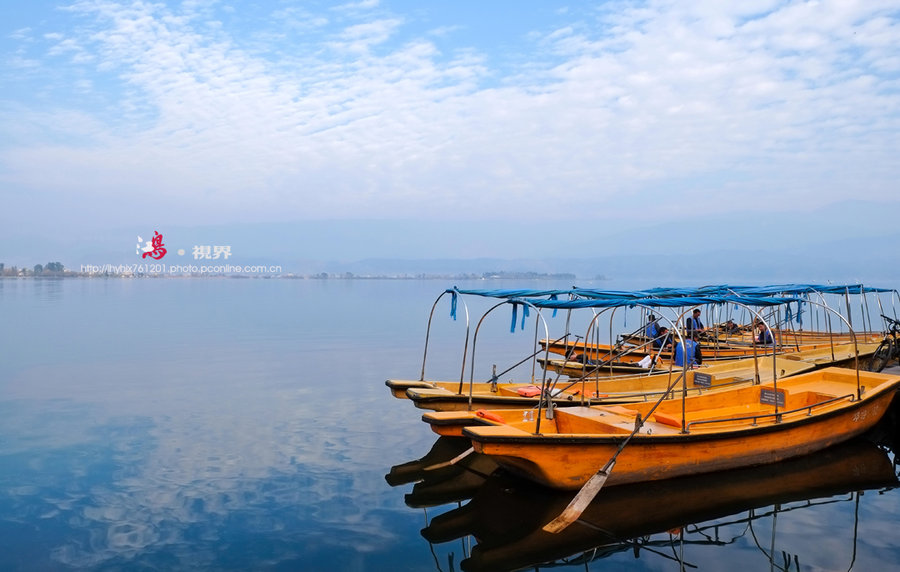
<point>49,269</point>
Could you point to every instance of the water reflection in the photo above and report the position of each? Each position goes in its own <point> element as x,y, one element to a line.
<point>810,504</point>
<point>185,464</point>
<point>132,493</point>
<point>49,289</point>
<point>437,480</point>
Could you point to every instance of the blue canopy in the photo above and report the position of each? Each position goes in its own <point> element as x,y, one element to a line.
<point>738,292</point>
<point>795,289</point>
<point>672,302</point>
<point>574,298</point>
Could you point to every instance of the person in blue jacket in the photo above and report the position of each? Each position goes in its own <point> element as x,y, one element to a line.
<point>652,329</point>
<point>693,324</point>
<point>663,338</point>
<point>764,337</point>
<point>690,348</point>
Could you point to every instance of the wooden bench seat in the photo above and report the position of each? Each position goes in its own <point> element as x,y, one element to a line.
<point>603,420</point>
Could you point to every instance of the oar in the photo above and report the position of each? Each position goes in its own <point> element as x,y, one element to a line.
<point>598,479</point>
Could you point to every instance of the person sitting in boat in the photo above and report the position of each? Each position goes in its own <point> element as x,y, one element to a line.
<point>652,329</point>
<point>689,349</point>
<point>764,336</point>
<point>730,327</point>
<point>580,358</point>
<point>663,338</point>
<point>693,324</point>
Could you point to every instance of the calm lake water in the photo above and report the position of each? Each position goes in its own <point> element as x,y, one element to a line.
<point>216,424</point>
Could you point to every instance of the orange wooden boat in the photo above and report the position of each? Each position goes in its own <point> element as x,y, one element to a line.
<point>719,430</point>
<point>838,352</point>
<point>506,514</point>
<point>631,352</point>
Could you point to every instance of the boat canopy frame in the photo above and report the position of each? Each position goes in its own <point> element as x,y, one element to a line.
<point>545,401</point>
<point>579,298</point>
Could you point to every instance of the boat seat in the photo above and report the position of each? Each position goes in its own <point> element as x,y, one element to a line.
<point>618,410</point>
<point>792,400</point>
<point>804,398</point>
<point>720,413</point>
<point>605,419</point>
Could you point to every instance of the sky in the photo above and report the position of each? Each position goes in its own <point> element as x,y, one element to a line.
<point>121,117</point>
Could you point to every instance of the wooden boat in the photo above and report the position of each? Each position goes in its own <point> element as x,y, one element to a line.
<point>842,355</point>
<point>624,354</point>
<point>446,396</point>
<point>621,357</point>
<point>718,430</point>
<point>518,394</point>
<point>717,335</point>
<point>453,414</point>
<point>507,514</point>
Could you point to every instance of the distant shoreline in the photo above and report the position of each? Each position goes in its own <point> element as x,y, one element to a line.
<point>290,276</point>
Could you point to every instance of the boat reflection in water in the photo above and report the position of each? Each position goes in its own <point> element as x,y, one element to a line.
<point>506,514</point>
<point>446,474</point>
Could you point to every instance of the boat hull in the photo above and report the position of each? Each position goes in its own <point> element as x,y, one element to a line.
<point>507,515</point>
<point>579,441</point>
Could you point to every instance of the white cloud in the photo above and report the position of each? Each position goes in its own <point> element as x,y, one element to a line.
<point>753,101</point>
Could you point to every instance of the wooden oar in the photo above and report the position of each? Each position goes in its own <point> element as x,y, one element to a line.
<point>590,489</point>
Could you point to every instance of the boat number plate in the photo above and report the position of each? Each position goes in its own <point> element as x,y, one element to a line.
<point>702,379</point>
<point>769,397</point>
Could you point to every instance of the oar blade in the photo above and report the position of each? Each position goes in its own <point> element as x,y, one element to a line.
<point>581,501</point>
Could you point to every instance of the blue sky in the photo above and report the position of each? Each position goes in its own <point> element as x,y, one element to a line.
<point>132,114</point>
